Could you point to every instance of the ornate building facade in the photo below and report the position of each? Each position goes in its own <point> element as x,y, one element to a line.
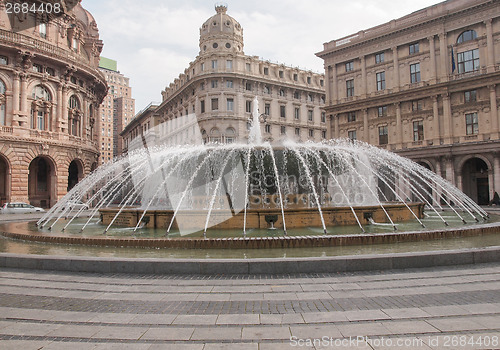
<point>425,86</point>
<point>220,85</point>
<point>50,92</point>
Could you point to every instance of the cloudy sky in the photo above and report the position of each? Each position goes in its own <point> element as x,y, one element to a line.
<point>154,40</point>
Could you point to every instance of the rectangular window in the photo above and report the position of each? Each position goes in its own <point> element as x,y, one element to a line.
<point>248,67</point>
<point>42,29</point>
<point>283,130</point>
<point>215,83</point>
<point>323,134</point>
<point>351,135</point>
<point>229,84</point>
<point>311,133</point>
<point>351,117</point>
<point>310,115</point>
<point>322,82</point>
<point>37,68</point>
<point>229,64</point>
<point>414,48</point>
<point>468,61</point>
<point>230,104</point>
<point>323,117</point>
<point>40,121</point>
<point>295,77</point>
<point>349,84</point>
<point>309,80</point>
<point>282,111</point>
<point>215,104</point>
<point>382,111</point>
<point>470,96</point>
<point>296,113</point>
<point>417,105</point>
<point>383,135</point>
<point>266,71</point>
<point>248,106</point>
<point>214,64</point>
<point>202,67</point>
<point>380,81</point>
<point>4,60</point>
<point>349,66</point>
<point>267,128</point>
<point>281,74</point>
<point>296,95</point>
<point>297,131</point>
<point>379,57</point>
<point>267,109</point>
<point>471,123</point>
<point>418,130</point>
<point>248,86</point>
<point>415,73</point>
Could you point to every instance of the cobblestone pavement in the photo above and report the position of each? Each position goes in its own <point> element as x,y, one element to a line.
<point>436,308</point>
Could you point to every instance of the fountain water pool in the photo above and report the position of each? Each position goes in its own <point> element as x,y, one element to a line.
<point>251,194</point>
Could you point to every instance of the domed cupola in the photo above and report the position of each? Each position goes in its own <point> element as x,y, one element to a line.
<point>221,32</point>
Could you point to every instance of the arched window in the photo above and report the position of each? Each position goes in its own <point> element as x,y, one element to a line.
<point>2,103</point>
<point>74,116</point>
<point>41,93</point>
<point>74,103</point>
<point>40,108</point>
<point>215,135</point>
<point>467,36</point>
<point>230,135</point>
<point>204,135</point>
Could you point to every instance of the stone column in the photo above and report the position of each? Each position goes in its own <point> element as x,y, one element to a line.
<point>23,114</point>
<point>432,51</point>
<point>450,169</point>
<point>332,84</point>
<point>443,53</point>
<point>396,82</point>
<point>363,76</point>
<point>336,125</point>
<point>491,181</point>
<point>435,112</point>
<point>437,192</point>
<point>58,117</point>
<point>399,126</point>
<point>64,110</point>
<point>447,119</point>
<point>490,45</point>
<point>366,134</point>
<point>496,174</point>
<point>493,109</point>
<point>15,98</point>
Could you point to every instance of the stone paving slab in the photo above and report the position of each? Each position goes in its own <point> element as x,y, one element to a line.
<point>176,312</point>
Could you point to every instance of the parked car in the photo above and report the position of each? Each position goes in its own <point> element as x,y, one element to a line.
<point>19,207</point>
<point>77,205</point>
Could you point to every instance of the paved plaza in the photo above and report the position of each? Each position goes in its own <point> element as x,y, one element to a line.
<point>432,308</point>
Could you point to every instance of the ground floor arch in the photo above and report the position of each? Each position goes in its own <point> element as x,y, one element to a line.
<point>4,180</point>
<point>475,180</point>
<point>42,182</point>
<point>75,173</point>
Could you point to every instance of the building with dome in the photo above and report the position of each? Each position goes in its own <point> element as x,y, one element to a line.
<point>219,87</point>
<point>425,86</point>
<point>50,92</point>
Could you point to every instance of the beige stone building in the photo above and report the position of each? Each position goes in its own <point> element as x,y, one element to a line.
<point>425,86</point>
<point>117,109</point>
<point>220,85</point>
<point>50,92</point>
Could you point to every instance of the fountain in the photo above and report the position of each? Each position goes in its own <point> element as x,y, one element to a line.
<point>194,192</point>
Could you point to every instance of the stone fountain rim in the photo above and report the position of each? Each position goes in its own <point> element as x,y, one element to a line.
<point>308,241</point>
